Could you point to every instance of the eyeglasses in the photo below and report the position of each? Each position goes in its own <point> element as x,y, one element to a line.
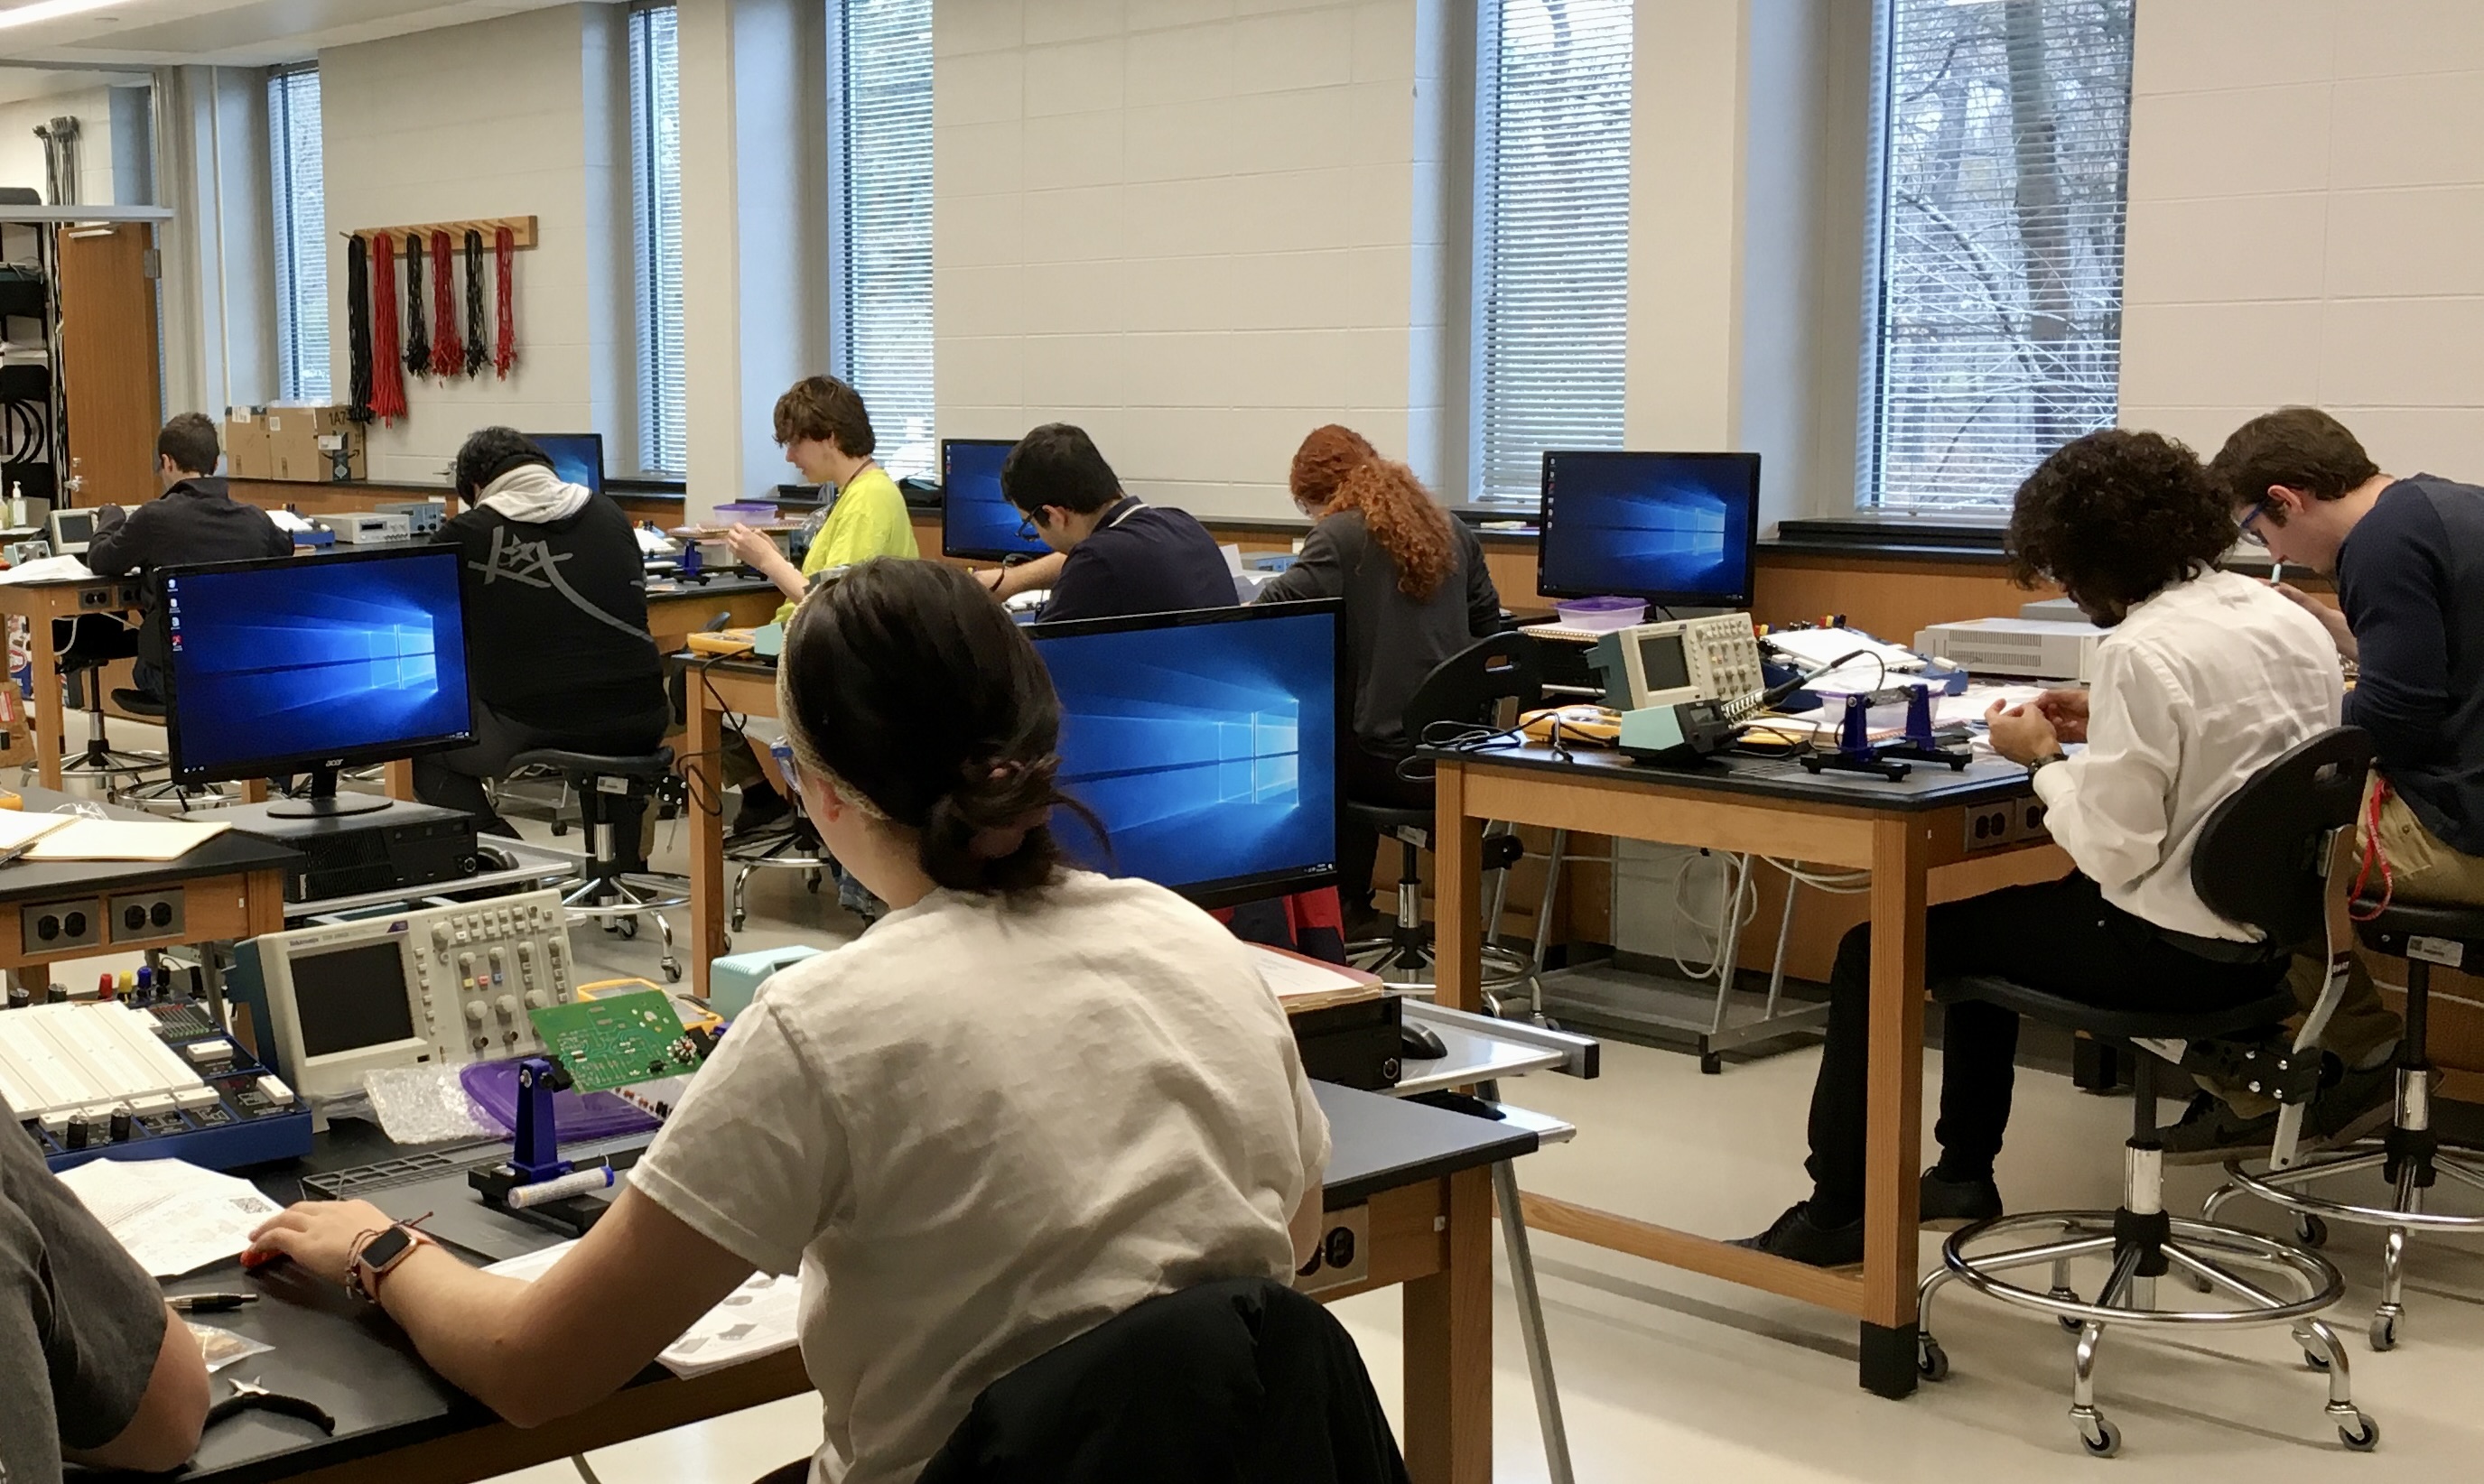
<point>1026,530</point>
<point>2255,538</point>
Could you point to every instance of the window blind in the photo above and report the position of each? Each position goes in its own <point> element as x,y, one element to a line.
<point>301,234</point>
<point>1992,328</point>
<point>1551,258</point>
<point>883,299</point>
<point>656,192</point>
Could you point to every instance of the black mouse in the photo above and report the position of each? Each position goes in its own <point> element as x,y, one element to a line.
<point>1419,1043</point>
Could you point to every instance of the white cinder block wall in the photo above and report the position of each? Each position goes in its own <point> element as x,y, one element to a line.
<point>2306,196</point>
<point>481,121</point>
<point>1188,226</point>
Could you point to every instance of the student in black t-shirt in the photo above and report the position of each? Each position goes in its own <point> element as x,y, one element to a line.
<point>557,618</point>
<point>94,1368</point>
<point>1113,555</point>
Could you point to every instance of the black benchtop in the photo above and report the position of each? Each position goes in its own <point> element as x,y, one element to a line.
<point>1929,786</point>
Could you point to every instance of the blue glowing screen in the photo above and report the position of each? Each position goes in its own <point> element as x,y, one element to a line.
<point>1667,527</point>
<point>975,519</point>
<point>1208,749</point>
<point>316,659</point>
<point>578,458</point>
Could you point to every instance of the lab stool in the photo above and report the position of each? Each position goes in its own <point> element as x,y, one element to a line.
<point>1403,957</point>
<point>2140,1239</point>
<point>789,844</point>
<point>100,760</point>
<point>612,884</point>
<point>2407,1154</point>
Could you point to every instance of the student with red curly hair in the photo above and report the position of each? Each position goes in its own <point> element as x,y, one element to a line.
<point>1415,591</point>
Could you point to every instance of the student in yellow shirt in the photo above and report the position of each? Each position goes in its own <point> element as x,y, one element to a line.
<point>826,434</point>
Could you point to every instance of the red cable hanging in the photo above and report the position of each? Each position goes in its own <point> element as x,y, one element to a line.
<point>504,244</point>
<point>388,367</point>
<point>447,353</point>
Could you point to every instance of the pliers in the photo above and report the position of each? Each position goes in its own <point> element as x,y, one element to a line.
<point>248,1396</point>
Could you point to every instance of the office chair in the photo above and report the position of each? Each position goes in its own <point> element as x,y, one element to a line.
<point>2406,1156</point>
<point>98,641</point>
<point>1467,688</point>
<point>612,885</point>
<point>2276,856</point>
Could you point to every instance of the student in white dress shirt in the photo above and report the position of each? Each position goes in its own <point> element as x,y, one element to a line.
<point>1025,1100</point>
<point>2205,678</point>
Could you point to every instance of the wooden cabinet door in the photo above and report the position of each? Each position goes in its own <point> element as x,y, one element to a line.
<point>110,375</point>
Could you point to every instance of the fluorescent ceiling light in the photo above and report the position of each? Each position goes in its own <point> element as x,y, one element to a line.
<point>49,10</point>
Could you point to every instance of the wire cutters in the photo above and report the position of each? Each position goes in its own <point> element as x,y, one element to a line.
<point>249,1396</point>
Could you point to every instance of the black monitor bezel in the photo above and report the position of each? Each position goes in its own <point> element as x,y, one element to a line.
<point>1658,596</point>
<point>602,471</point>
<point>950,550</point>
<point>1232,891</point>
<point>278,763</point>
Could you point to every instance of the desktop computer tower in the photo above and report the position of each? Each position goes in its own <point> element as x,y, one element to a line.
<point>405,844</point>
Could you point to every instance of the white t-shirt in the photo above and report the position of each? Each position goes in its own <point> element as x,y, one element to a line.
<point>983,1129</point>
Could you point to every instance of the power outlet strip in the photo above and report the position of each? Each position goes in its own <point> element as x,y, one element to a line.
<point>1990,826</point>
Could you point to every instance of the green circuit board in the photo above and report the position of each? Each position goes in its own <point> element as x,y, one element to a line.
<point>618,1040</point>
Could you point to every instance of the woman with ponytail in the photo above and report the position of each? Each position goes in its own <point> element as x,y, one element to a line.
<point>1415,591</point>
<point>1022,1102</point>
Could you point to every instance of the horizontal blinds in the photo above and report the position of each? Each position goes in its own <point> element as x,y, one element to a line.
<point>655,190</point>
<point>1996,326</point>
<point>301,234</point>
<point>886,296</point>
<point>1552,234</point>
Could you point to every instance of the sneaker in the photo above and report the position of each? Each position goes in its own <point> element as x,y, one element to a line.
<point>2211,1132</point>
<point>2359,1103</point>
<point>1794,1237</point>
<point>760,809</point>
<point>1950,1204</point>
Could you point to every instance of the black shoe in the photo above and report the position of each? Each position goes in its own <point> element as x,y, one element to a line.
<point>761,808</point>
<point>1794,1238</point>
<point>2358,1104</point>
<point>1942,1201</point>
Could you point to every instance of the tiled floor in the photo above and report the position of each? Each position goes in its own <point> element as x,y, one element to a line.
<point>1665,1375</point>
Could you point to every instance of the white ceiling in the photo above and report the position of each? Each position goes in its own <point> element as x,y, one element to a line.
<point>237,32</point>
<point>17,84</point>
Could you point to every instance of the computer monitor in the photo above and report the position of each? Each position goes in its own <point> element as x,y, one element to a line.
<point>1209,745</point>
<point>576,457</point>
<point>71,531</point>
<point>311,664</point>
<point>976,521</point>
<point>1674,528</point>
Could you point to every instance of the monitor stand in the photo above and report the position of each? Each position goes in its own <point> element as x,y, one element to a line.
<point>324,801</point>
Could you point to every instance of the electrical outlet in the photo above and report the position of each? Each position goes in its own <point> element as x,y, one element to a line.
<point>50,927</point>
<point>1343,1256</point>
<point>2026,820</point>
<point>147,916</point>
<point>1989,826</point>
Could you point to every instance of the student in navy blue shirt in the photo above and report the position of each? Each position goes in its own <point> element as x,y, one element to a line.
<point>2408,559</point>
<point>1113,555</point>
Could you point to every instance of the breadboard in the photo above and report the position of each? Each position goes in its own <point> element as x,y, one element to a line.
<point>612,1042</point>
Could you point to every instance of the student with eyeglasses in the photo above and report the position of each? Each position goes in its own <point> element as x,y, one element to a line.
<point>1113,555</point>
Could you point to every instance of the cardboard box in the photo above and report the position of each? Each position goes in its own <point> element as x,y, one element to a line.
<point>245,438</point>
<point>314,445</point>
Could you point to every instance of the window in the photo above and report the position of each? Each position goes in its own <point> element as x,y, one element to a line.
<point>301,234</point>
<point>880,246</point>
<point>655,236</point>
<point>1992,329</point>
<point>1552,249</point>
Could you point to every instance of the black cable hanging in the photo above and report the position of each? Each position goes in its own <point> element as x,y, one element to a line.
<point>417,337</point>
<point>358,325</point>
<point>478,340</point>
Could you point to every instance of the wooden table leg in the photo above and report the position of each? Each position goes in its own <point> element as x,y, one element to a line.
<point>1893,1121</point>
<point>47,705</point>
<point>703,769</point>
<point>1448,1346</point>
<point>1457,894</point>
<point>398,778</point>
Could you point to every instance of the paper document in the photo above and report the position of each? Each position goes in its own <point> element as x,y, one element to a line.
<point>1976,700</point>
<point>16,828</point>
<point>1828,646</point>
<point>49,569</point>
<point>1292,977</point>
<point>171,1216</point>
<point>124,840</point>
<point>761,1318</point>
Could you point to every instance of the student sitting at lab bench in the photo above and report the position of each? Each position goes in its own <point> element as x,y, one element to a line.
<point>556,598</point>
<point>959,1128</point>
<point>1416,591</point>
<point>194,520</point>
<point>2407,557</point>
<point>2205,678</point>
<point>825,432</point>
<point>1113,555</point>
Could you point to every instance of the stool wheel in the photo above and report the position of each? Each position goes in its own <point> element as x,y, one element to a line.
<point>2310,1230</point>
<point>1710,1065</point>
<point>2385,1331</point>
<point>2102,1440</point>
<point>1931,1362</point>
<point>2364,1437</point>
<point>2315,1360</point>
<point>626,926</point>
<point>810,881</point>
<point>672,968</point>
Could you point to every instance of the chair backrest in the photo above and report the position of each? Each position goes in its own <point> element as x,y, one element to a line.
<point>1470,685</point>
<point>2260,853</point>
<point>1242,1380</point>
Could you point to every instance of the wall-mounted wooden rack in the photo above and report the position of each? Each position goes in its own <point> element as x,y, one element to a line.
<point>522,230</point>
